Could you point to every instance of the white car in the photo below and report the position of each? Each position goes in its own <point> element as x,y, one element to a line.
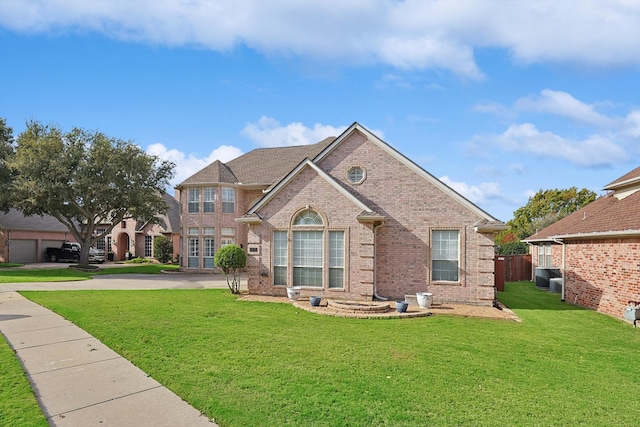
<point>97,255</point>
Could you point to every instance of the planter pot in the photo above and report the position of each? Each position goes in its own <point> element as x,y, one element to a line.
<point>425,299</point>
<point>293,293</point>
<point>315,301</point>
<point>401,306</point>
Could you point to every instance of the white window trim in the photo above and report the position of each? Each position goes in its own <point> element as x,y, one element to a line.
<point>461,257</point>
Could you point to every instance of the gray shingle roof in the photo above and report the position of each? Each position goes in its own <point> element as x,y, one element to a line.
<point>263,166</point>
<point>173,214</point>
<point>215,172</point>
<point>15,220</point>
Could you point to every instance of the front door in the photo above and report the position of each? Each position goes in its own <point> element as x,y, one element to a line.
<point>123,246</point>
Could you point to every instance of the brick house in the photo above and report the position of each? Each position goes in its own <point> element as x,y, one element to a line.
<point>347,218</point>
<point>597,249</point>
<point>25,239</point>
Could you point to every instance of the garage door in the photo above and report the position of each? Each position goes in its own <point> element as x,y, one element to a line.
<point>48,244</point>
<point>23,251</point>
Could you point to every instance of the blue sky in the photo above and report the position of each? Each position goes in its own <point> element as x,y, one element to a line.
<point>498,99</point>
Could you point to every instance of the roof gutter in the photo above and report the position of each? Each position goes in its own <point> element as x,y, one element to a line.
<point>586,236</point>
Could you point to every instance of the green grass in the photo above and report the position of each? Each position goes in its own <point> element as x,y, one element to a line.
<point>18,405</point>
<point>71,274</point>
<point>251,363</point>
<point>9,265</point>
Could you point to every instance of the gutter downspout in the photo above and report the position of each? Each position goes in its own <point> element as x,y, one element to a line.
<point>375,264</point>
<point>533,269</point>
<point>559,241</point>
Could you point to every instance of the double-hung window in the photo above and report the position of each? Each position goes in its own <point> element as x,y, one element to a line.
<point>445,247</point>
<point>336,259</point>
<point>228,200</point>
<point>194,200</point>
<point>544,255</point>
<point>207,203</point>
<point>280,258</point>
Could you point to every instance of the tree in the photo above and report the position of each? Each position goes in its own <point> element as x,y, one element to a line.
<point>163,249</point>
<point>6,152</point>
<point>85,179</point>
<point>231,258</point>
<point>547,207</point>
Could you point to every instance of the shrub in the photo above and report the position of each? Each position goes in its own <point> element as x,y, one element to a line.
<point>163,249</point>
<point>231,258</point>
<point>513,248</point>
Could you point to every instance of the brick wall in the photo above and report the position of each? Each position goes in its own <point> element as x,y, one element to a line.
<point>215,219</point>
<point>412,206</point>
<point>603,274</point>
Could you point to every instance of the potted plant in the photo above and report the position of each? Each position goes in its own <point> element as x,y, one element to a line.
<point>401,306</point>
<point>424,299</point>
<point>315,300</point>
<point>293,293</point>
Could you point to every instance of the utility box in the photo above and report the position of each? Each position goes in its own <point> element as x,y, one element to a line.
<point>543,274</point>
<point>632,312</point>
<point>555,284</point>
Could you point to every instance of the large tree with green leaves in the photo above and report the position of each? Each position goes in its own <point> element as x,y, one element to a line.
<point>546,207</point>
<point>85,179</point>
<point>6,152</point>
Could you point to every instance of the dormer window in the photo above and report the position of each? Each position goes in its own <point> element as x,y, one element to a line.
<point>356,175</point>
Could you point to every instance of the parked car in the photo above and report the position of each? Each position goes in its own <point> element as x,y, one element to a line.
<point>70,252</point>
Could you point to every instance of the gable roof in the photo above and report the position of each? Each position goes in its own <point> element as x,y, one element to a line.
<point>262,166</point>
<point>487,222</point>
<point>608,216</point>
<point>367,214</point>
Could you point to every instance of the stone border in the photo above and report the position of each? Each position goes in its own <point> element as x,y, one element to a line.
<point>463,310</point>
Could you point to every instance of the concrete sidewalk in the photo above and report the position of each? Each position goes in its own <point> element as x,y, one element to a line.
<point>79,381</point>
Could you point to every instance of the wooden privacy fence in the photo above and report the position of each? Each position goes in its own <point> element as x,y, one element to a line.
<point>511,268</point>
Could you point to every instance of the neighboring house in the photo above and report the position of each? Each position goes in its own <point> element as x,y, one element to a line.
<point>135,238</point>
<point>351,218</point>
<point>25,239</point>
<point>597,249</point>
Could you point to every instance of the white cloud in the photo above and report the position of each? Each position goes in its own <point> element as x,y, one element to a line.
<point>565,105</point>
<point>268,132</point>
<point>480,194</point>
<point>496,109</point>
<point>187,165</point>
<point>595,150</point>
<point>632,124</point>
<point>411,34</point>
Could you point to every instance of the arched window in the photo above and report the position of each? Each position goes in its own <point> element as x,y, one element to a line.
<point>308,217</point>
<point>311,242</point>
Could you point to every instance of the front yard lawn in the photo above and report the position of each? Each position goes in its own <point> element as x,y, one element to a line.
<point>267,364</point>
<point>71,274</point>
